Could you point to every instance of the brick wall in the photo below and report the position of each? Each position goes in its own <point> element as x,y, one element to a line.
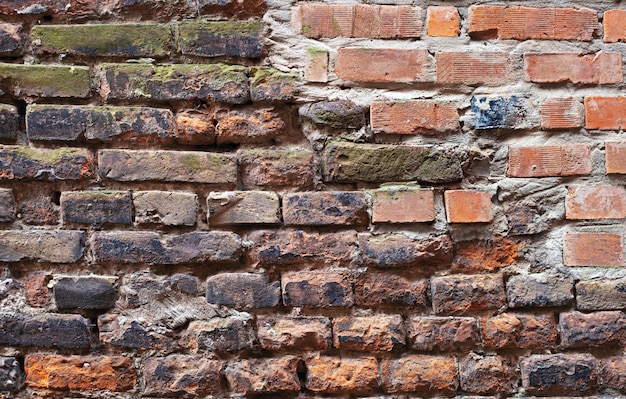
<point>248,198</point>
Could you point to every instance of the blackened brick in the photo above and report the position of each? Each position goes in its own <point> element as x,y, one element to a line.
<point>397,250</point>
<point>56,246</point>
<point>242,290</point>
<point>539,290</point>
<point>559,374</point>
<point>443,333</point>
<point>486,375</point>
<point>325,208</point>
<point>85,293</point>
<point>45,330</point>
<point>599,329</point>
<point>97,207</point>
<point>21,162</point>
<point>220,38</point>
<point>380,289</point>
<point>181,376</point>
<point>10,39</point>
<point>9,119</point>
<point>7,205</point>
<point>319,288</point>
<point>459,294</point>
<point>122,332</point>
<point>10,374</point>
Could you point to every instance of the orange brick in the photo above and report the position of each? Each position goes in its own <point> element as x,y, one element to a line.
<point>464,206</point>
<point>614,23</point>
<point>88,373</point>
<point>337,375</point>
<point>411,117</point>
<point>616,157</point>
<point>442,21</point>
<point>316,65</point>
<point>561,113</point>
<point>605,113</point>
<point>601,68</point>
<point>593,249</point>
<point>382,65</point>
<point>595,202</point>
<point>403,205</point>
<point>421,374</point>
<point>550,160</point>
<point>522,23</point>
<point>472,67</point>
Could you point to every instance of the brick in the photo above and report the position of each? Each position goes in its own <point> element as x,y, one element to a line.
<point>242,290</point>
<point>10,374</point>
<point>593,249</point>
<point>605,113</point>
<point>269,84</point>
<point>472,68</point>
<point>243,207</point>
<point>402,204</point>
<point>379,65</point>
<point>22,162</point>
<point>45,80</point>
<point>181,376</point>
<point>45,330</point>
<point>85,293</point>
<point>39,211</point>
<point>196,127</point>
<point>443,334</point>
<point>382,289</point>
<point>484,374</point>
<point>97,207</point>
<point>278,333</point>
<point>316,65</point>
<point>121,332</point>
<point>615,156</point>
<point>601,68</point>
<point>253,376</point>
<point>341,375</point>
<point>598,329</point>
<point>376,163</point>
<point>519,331</point>
<point>155,249</point>
<point>163,10</point>
<point>613,373</point>
<point>275,168</point>
<point>9,121</point>
<point>169,208</point>
<point>539,290</point>
<point>516,112</point>
<point>175,166</point>
<point>559,374</point>
<point>464,206</point>
<point>344,208</point>
<point>87,373</point>
<point>339,114</point>
<point>459,294</point>
<point>442,21</point>
<point>124,40</point>
<point>55,246</point>
<point>220,334</point>
<point>7,205</point>
<point>595,202</point>
<point>214,82</point>
<point>523,23</point>
<point>36,287</point>
<point>55,8</point>
<point>220,38</point>
<point>368,21</point>
<point>320,288</point>
<point>293,247</point>
<point>601,294</point>
<point>398,250</point>
<point>561,113</point>
<point>614,26</point>
<point>141,125</point>
<point>10,39</point>
<point>245,126</point>
<point>371,334</point>
<point>412,117</point>
<point>420,374</point>
<point>486,255</point>
<point>549,160</point>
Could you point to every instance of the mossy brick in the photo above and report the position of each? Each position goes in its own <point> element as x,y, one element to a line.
<point>88,292</point>
<point>10,374</point>
<point>125,40</point>
<point>63,331</point>
<point>220,38</point>
<point>152,248</point>
<point>173,166</point>
<point>376,163</point>
<point>100,123</point>
<point>10,39</point>
<point>7,205</point>
<point>270,84</point>
<point>208,82</point>
<point>22,162</point>
<point>55,246</point>
<point>45,80</point>
<point>97,207</point>
<point>9,120</point>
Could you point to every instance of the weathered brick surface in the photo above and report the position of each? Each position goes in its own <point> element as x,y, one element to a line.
<point>9,121</point>
<point>325,208</point>
<point>275,168</point>
<point>418,373</point>
<point>170,208</point>
<point>220,334</point>
<point>371,334</point>
<point>381,289</point>
<point>317,289</point>
<point>10,374</point>
<point>316,65</point>
<point>269,84</point>
<point>615,153</point>
<point>248,126</point>
<point>486,375</point>
<point>516,330</point>
<point>458,294</point>
<point>397,250</point>
<point>561,113</point>
<point>472,68</point>
<point>486,255</point>
<point>45,80</point>
<point>220,38</point>
<point>56,246</point>
<point>614,24</point>
<point>600,329</point>
<point>243,207</point>
<point>85,293</point>
<point>601,294</point>
<point>181,376</point>
<point>340,114</point>
<point>593,249</point>
<point>382,65</point>
<point>97,207</point>
<point>514,112</point>
<point>10,36</point>
<point>432,333</point>
<point>36,287</point>
<point>601,68</point>
<point>442,21</point>
<point>242,290</point>
<point>559,374</point>
<point>605,113</point>
<point>464,206</point>
<point>337,375</point>
<point>402,204</point>
<point>21,162</point>
<point>121,332</point>
<point>300,333</point>
<point>539,290</point>
<point>612,374</point>
<point>595,202</point>
<point>45,330</point>
<point>263,375</point>
<point>7,205</point>
<point>411,117</point>
<point>549,160</point>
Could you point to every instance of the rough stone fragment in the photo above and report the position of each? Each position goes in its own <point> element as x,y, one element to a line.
<point>45,330</point>
<point>485,375</point>
<point>336,375</point>
<point>458,294</point>
<point>263,375</point>
<point>85,293</point>
<point>181,376</point>
<point>153,248</point>
<point>485,255</point>
<point>56,246</point>
<point>9,118</point>
<point>10,373</point>
<point>7,205</point>
<point>559,374</point>
<point>345,208</point>
<point>299,333</point>
<point>539,290</point>
<point>601,294</point>
<point>220,38</point>
<point>275,168</point>
<point>598,329</point>
<point>397,250</point>
<point>60,9</point>
<point>121,331</point>
<point>443,333</point>
<point>25,80</point>
<point>227,334</point>
<point>402,204</point>
<point>380,289</point>
<point>243,207</point>
<point>170,208</point>
<point>269,84</point>
<point>514,112</point>
<point>523,331</point>
<point>371,334</point>
<point>314,289</point>
<point>97,207</point>
<point>420,374</point>
<point>338,114</point>
<point>22,162</point>
<point>242,290</point>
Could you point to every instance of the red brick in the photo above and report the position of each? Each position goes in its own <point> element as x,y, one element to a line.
<point>616,157</point>
<point>434,333</point>
<point>88,373</point>
<point>403,204</point>
<point>379,289</point>
<point>597,329</point>
<point>614,24</point>
<point>515,330</point>
<point>472,68</point>
<point>337,375</point>
<point>275,168</point>
<point>420,374</point>
<point>601,68</point>
<point>522,23</point>
<point>318,288</point>
<point>412,117</point>
<point>37,292</point>
<point>299,333</point>
<point>485,255</point>
<point>254,376</point>
<point>463,206</point>
<point>460,294</point>
<point>593,249</point>
<point>317,208</point>
<point>378,65</point>
<point>316,65</point>
<point>561,113</point>
<point>605,113</point>
<point>442,21</point>
<point>486,375</point>
<point>372,334</point>
<point>595,202</point>
<point>549,160</point>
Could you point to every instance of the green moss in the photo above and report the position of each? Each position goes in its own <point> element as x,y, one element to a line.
<point>315,51</point>
<point>259,75</point>
<point>190,30</point>
<point>103,194</point>
<point>47,80</point>
<point>306,30</point>
<point>50,157</point>
<point>335,26</point>
<point>191,162</point>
